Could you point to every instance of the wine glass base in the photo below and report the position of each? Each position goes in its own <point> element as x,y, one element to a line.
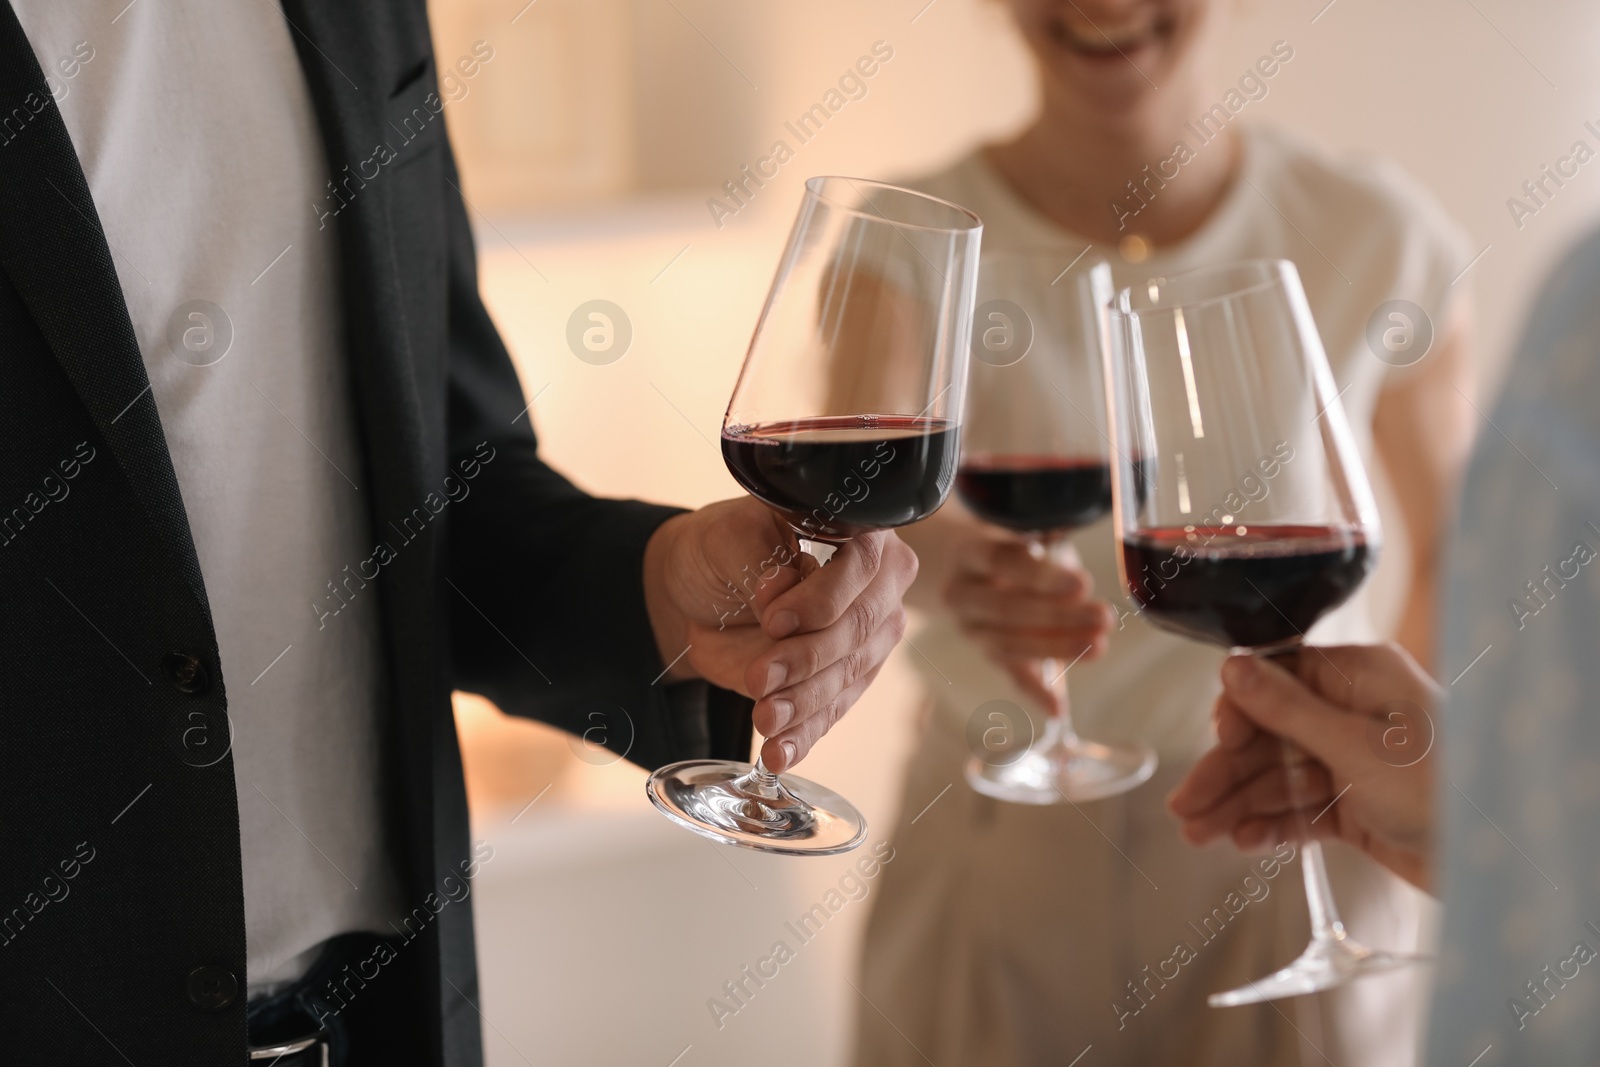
<point>801,819</point>
<point>1069,770</point>
<point>1325,964</point>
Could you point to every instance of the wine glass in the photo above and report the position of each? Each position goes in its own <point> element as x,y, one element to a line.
<point>1255,517</point>
<point>845,419</point>
<point>1036,460</point>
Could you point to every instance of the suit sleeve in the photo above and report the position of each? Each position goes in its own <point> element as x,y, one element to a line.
<point>547,617</point>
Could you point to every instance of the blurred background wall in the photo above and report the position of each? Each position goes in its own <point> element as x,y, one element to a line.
<point>590,140</point>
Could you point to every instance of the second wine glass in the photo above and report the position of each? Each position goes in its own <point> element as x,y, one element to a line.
<point>1036,460</point>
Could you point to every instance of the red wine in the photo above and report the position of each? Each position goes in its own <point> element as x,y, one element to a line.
<point>1035,494</point>
<point>1244,586</point>
<point>835,477</point>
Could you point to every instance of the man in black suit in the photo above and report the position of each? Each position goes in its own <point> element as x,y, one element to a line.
<point>150,507</point>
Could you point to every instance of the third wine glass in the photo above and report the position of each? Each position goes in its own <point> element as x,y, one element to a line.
<point>1253,517</point>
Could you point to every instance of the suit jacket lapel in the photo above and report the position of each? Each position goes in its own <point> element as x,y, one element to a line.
<point>54,251</point>
<point>340,46</point>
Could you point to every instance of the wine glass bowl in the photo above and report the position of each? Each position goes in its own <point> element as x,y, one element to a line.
<point>1037,495</point>
<point>834,477</point>
<point>1250,586</point>
<point>1253,515</point>
<point>845,420</point>
<point>1249,516</point>
<point>1036,462</point>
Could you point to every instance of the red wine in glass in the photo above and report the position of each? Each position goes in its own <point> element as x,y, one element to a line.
<point>1039,494</point>
<point>836,477</point>
<point>1244,586</point>
<point>1035,494</point>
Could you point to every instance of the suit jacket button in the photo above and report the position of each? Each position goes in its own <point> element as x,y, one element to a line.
<point>186,673</point>
<point>211,988</point>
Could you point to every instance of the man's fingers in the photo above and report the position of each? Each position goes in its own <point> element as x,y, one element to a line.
<point>774,751</point>
<point>828,593</point>
<point>792,704</point>
<point>806,735</point>
<point>812,651</point>
<point>723,654</point>
<point>754,559</point>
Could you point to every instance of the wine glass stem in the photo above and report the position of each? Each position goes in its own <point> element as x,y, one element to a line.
<point>1059,729</point>
<point>1325,924</point>
<point>760,782</point>
<point>821,551</point>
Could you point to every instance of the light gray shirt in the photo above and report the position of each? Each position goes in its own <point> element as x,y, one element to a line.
<point>194,127</point>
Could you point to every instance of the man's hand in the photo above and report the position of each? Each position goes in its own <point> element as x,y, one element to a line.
<point>1361,718</point>
<point>1022,606</point>
<point>728,582</point>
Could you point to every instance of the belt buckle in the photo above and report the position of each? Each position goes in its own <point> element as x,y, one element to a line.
<point>271,1054</point>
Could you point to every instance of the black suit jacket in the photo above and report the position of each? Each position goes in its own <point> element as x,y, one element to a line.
<point>119,829</point>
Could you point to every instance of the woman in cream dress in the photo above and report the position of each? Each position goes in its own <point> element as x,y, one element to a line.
<point>1010,935</point>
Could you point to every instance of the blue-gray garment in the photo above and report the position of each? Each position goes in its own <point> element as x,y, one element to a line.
<point>1519,970</point>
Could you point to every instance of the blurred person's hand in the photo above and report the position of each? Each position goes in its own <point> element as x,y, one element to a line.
<point>1339,707</point>
<point>729,584</point>
<point>1022,606</point>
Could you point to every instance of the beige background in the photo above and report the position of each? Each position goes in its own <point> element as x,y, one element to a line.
<point>589,145</point>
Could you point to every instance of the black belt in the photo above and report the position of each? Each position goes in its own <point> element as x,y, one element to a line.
<point>305,1025</point>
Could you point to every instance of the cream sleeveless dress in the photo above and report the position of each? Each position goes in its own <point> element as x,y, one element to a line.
<point>1006,935</point>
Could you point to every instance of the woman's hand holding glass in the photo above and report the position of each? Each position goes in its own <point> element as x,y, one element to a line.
<point>1363,719</point>
<point>1022,607</point>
